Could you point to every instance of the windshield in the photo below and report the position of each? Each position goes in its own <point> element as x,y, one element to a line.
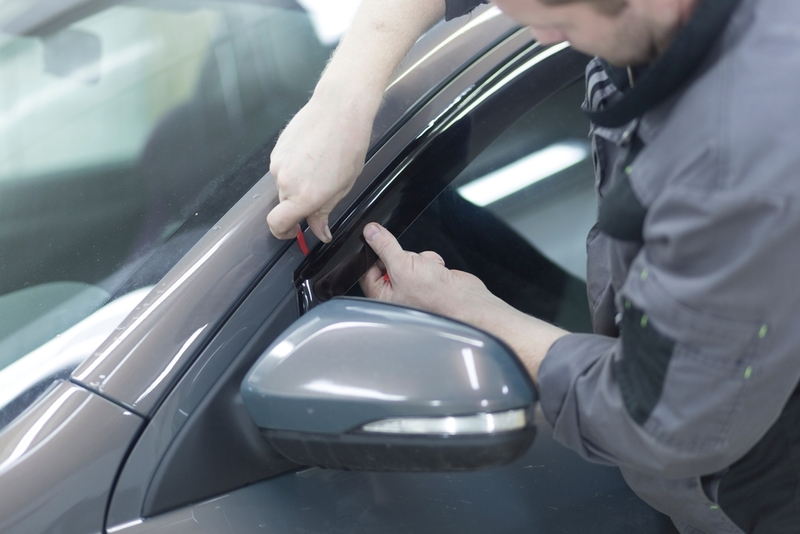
<point>127,129</point>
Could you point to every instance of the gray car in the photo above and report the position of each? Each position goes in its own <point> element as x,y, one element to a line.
<point>167,366</point>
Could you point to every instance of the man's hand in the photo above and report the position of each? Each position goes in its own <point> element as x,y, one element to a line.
<point>315,163</point>
<point>322,151</point>
<point>417,280</point>
<point>422,281</point>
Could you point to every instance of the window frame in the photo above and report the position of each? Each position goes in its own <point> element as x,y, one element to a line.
<point>534,74</point>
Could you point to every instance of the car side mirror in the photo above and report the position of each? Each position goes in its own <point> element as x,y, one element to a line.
<point>364,385</point>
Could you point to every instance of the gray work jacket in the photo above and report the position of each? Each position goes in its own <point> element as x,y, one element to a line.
<point>696,267</point>
<point>692,276</point>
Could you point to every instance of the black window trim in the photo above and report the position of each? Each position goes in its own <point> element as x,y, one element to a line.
<point>332,268</point>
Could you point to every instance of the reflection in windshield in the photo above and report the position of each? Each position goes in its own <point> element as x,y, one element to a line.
<point>126,131</point>
<point>28,376</point>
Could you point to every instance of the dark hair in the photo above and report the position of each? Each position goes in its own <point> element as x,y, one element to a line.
<point>607,7</point>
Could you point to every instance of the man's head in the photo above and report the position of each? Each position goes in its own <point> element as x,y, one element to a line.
<point>624,32</point>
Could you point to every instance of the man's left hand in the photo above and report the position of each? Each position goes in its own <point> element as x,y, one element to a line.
<point>422,281</point>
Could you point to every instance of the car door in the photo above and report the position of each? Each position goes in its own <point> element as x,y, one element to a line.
<point>202,466</point>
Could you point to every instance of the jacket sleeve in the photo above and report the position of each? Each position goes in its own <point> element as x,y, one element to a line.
<point>709,340</point>
<point>456,8</point>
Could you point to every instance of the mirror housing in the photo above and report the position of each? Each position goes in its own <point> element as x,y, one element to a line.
<point>365,385</point>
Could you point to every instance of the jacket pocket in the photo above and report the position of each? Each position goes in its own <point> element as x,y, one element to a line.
<point>697,365</point>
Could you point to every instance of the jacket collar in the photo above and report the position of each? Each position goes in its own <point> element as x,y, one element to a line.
<point>661,79</point>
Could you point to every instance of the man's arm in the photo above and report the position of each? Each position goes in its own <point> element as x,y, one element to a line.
<point>422,281</point>
<point>705,360</point>
<point>321,152</point>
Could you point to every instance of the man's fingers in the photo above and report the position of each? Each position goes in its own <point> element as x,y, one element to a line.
<point>431,255</point>
<point>284,220</point>
<point>372,282</point>
<point>384,244</point>
<point>318,223</point>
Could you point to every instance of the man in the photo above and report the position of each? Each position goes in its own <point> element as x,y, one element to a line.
<point>690,384</point>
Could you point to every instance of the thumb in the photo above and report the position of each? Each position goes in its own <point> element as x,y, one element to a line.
<point>384,244</point>
<point>284,219</point>
<point>318,222</point>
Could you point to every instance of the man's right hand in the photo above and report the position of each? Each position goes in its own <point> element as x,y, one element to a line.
<point>322,151</point>
<point>315,163</point>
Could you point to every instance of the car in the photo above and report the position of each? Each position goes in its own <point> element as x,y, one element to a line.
<point>169,367</point>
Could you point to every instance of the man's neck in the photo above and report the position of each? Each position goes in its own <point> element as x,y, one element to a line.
<point>684,9</point>
<point>687,10</point>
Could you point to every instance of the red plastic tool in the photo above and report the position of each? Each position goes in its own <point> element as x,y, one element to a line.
<point>301,240</point>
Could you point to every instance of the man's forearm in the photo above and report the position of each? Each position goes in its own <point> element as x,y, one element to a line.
<point>382,33</point>
<point>321,152</point>
<point>530,338</point>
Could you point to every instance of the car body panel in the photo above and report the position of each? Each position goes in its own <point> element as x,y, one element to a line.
<point>59,459</point>
<point>139,363</point>
<point>547,490</point>
<point>440,54</point>
<point>245,326</point>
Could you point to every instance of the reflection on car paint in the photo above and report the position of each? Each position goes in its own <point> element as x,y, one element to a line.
<point>59,356</point>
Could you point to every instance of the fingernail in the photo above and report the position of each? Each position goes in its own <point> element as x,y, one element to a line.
<point>370,231</point>
<point>327,232</point>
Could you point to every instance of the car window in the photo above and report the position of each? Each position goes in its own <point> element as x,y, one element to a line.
<point>518,215</point>
<point>538,178</point>
<point>127,129</point>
